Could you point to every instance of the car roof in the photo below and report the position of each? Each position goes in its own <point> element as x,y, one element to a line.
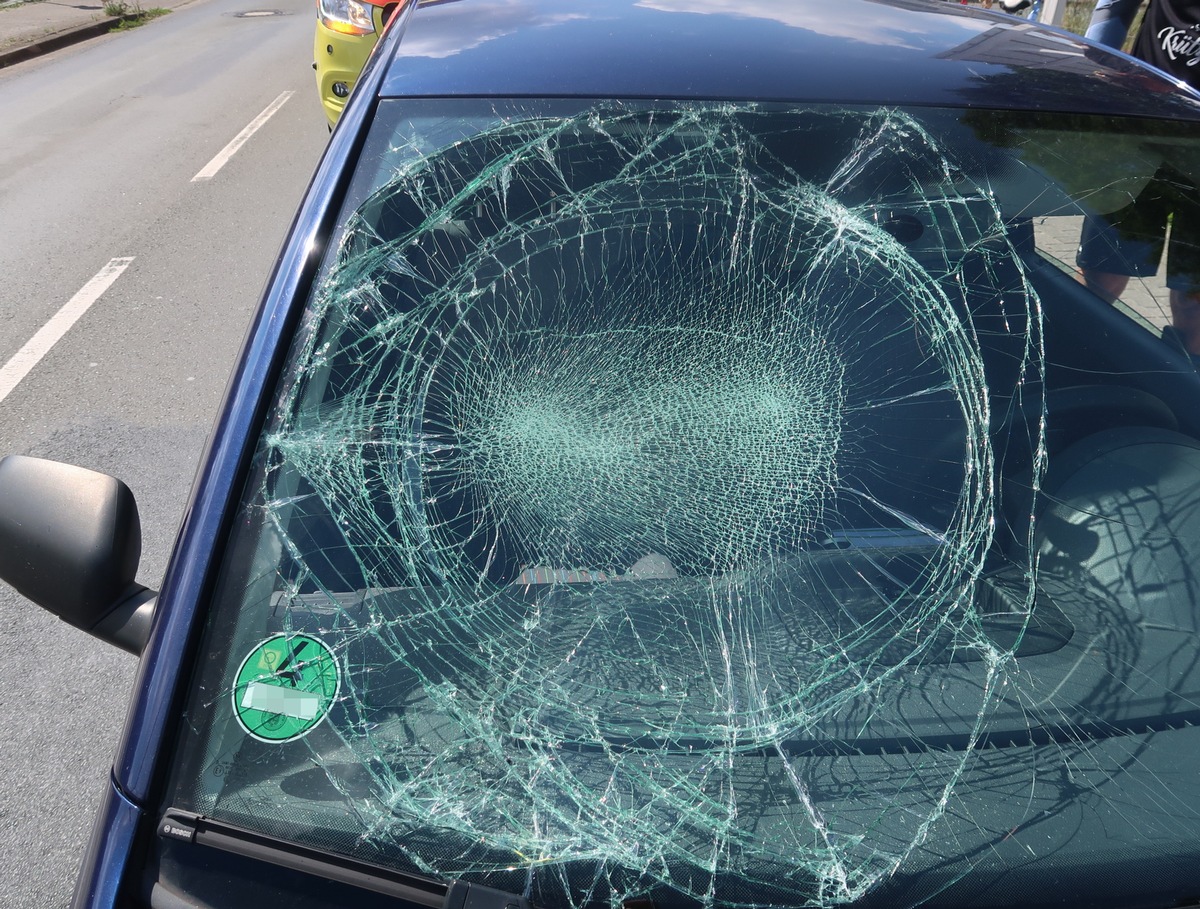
<point>912,52</point>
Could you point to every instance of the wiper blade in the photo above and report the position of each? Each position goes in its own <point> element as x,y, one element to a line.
<point>189,827</point>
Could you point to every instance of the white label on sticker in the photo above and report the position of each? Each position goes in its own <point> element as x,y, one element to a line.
<point>300,705</point>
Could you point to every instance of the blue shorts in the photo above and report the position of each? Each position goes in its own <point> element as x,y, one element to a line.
<point>1130,240</point>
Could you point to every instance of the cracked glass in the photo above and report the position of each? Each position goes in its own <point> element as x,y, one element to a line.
<point>724,505</point>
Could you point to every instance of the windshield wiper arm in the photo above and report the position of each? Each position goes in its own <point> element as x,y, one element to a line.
<point>189,827</point>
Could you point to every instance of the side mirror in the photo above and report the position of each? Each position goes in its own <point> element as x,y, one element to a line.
<point>70,540</point>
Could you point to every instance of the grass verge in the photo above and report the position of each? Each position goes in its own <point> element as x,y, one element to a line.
<point>131,14</point>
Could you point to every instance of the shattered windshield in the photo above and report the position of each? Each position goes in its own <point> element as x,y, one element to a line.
<point>724,505</point>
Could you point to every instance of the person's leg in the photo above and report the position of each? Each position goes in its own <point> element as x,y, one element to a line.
<point>1111,20</point>
<point>1127,242</point>
<point>1182,195</point>
<point>1105,284</point>
<point>1185,318</point>
<point>1183,266</point>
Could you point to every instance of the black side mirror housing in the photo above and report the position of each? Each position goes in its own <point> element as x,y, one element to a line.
<point>70,541</point>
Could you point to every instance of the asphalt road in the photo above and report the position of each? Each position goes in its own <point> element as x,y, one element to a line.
<point>99,145</point>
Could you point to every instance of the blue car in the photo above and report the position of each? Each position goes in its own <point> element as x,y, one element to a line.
<point>688,454</point>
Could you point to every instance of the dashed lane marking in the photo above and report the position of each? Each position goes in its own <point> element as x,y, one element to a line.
<point>18,367</point>
<point>222,157</point>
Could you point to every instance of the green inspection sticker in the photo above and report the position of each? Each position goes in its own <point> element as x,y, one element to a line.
<point>285,687</point>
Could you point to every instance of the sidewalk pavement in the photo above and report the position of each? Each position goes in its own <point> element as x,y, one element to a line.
<point>34,27</point>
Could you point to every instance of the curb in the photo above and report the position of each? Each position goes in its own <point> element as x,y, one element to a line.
<point>59,40</point>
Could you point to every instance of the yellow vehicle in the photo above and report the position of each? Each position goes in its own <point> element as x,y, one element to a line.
<point>346,34</point>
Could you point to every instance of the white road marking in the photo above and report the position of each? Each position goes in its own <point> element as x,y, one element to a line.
<point>210,169</point>
<point>17,368</point>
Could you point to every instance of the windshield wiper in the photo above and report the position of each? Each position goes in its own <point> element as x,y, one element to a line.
<point>189,827</point>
